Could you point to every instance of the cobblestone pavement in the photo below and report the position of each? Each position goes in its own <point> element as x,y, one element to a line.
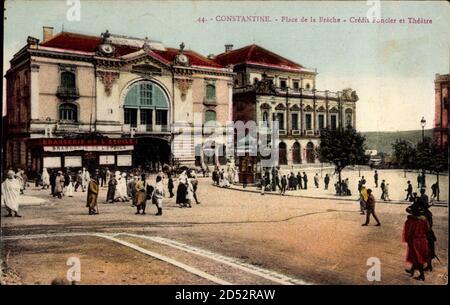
<point>231,237</point>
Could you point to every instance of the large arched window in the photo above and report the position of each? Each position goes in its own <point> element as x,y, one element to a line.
<point>310,155</point>
<point>146,105</point>
<point>68,112</point>
<point>210,115</point>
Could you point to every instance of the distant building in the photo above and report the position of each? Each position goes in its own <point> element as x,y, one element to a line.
<point>441,123</point>
<point>269,87</point>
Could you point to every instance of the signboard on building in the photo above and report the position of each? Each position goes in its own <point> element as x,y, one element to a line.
<point>88,148</point>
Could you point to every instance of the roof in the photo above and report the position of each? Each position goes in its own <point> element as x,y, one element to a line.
<point>86,43</point>
<point>256,55</point>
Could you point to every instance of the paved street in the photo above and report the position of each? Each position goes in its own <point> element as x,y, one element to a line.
<point>231,237</point>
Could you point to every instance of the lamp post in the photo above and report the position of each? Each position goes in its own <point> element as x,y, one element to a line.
<point>422,123</point>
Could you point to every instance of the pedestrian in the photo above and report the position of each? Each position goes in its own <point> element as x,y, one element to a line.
<point>66,181</point>
<point>370,207</point>
<point>182,190</point>
<point>316,180</point>
<point>386,193</point>
<point>283,185</point>
<point>305,181</point>
<point>409,190</point>
<point>326,181</point>
<point>383,189</point>
<point>419,180</point>
<point>10,194</point>
<point>170,185</point>
<point>434,191</point>
<point>69,185</point>
<point>86,176</point>
<point>415,233</point>
<point>375,178</point>
<point>92,194</point>
<point>291,182</point>
<point>108,176</point>
<point>79,180</point>
<point>19,178</point>
<point>299,180</point>
<point>45,178</point>
<point>274,179</point>
<point>140,195</point>
<point>363,197</point>
<point>423,180</point>
<point>52,182</point>
<point>112,184</point>
<point>131,189</point>
<point>194,182</point>
<point>189,193</point>
<point>59,185</point>
<point>158,194</point>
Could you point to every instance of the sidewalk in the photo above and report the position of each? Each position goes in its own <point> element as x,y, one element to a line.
<point>309,193</point>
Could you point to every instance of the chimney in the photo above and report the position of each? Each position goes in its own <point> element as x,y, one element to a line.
<point>47,33</point>
<point>228,48</point>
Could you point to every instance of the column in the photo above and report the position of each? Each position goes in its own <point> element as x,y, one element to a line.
<point>34,94</point>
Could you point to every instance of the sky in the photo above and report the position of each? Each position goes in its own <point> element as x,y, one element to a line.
<point>391,66</point>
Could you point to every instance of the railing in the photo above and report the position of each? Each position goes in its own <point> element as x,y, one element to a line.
<point>71,92</point>
<point>209,101</point>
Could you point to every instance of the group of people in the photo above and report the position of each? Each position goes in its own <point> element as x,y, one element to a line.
<point>63,182</point>
<point>225,179</point>
<point>187,189</point>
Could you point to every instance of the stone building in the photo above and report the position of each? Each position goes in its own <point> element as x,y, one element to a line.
<point>269,87</point>
<point>109,100</point>
<point>440,131</point>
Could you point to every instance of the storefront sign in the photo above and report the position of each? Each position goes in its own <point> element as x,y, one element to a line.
<point>85,142</point>
<point>88,148</point>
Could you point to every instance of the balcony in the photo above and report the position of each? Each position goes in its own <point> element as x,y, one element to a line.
<point>68,92</point>
<point>209,101</point>
<point>67,126</point>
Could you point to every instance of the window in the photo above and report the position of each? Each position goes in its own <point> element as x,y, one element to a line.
<point>265,116</point>
<point>295,121</point>
<point>210,115</point>
<point>283,83</point>
<point>308,86</point>
<point>321,121</point>
<point>333,122</point>
<point>130,117</point>
<point>68,112</point>
<point>280,119</point>
<point>146,117</point>
<point>141,101</point>
<point>210,92</point>
<point>296,84</point>
<point>308,121</point>
<point>348,120</point>
<point>67,79</point>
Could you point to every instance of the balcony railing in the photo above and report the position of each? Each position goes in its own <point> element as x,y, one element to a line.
<point>209,101</point>
<point>68,92</point>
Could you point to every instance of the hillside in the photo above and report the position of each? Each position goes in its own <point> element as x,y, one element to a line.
<point>382,141</point>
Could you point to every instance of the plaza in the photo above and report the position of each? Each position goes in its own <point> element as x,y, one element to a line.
<point>231,237</point>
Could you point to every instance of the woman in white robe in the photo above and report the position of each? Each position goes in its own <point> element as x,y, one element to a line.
<point>118,195</point>
<point>45,177</point>
<point>10,194</point>
<point>70,187</point>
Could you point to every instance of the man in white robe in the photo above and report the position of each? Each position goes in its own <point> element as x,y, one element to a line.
<point>10,194</point>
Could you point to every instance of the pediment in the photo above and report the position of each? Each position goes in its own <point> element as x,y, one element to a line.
<point>142,62</point>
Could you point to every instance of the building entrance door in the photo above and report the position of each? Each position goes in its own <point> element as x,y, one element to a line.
<point>152,153</point>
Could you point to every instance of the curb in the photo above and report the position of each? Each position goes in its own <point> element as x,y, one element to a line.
<point>436,204</point>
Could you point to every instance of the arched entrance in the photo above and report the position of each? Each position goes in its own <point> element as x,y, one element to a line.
<point>282,153</point>
<point>151,152</point>
<point>296,158</point>
<point>310,158</point>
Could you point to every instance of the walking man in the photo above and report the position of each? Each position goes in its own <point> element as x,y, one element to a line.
<point>383,186</point>
<point>316,180</point>
<point>326,181</point>
<point>370,206</point>
<point>283,185</point>
<point>170,185</point>
<point>305,180</point>
<point>375,178</point>
<point>409,190</point>
<point>92,195</point>
<point>434,191</point>
<point>299,180</point>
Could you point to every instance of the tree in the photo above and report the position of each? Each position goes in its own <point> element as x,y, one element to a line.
<point>405,154</point>
<point>342,147</point>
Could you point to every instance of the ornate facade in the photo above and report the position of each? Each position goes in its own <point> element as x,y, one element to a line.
<point>441,123</point>
<point>108,100</point>
<point>268,87</point>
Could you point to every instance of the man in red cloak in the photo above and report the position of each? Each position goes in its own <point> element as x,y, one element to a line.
<point>415,235</point>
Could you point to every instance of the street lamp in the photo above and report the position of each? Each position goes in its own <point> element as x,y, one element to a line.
<point>422,123</point>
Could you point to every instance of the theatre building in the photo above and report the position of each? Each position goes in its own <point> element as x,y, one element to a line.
<point>108,100</point>
<point>268,87</point>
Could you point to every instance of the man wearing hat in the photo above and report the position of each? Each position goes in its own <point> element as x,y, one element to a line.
<point>10,194</point>
<point>92,196</point>
<point>415,236</point>
<point>370,206</point>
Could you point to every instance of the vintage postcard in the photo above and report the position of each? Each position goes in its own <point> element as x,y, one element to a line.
<point>199,143</point>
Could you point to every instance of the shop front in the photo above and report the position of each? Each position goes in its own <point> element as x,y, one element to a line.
<point>78,153</point>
